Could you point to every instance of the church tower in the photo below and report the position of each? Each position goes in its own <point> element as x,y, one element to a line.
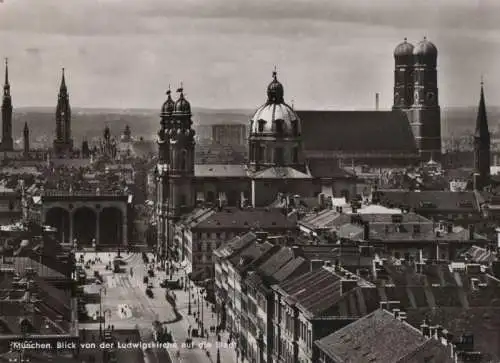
<point>7,142</point>
<point>425,114</point>
<point>416,94</point>
<point>26,139</point>
<point>175,169</point>
<point>403,76</point>
<point>181,159</point>
<point>275,133</point>
<point>63,144</point>
<point>482,144</point>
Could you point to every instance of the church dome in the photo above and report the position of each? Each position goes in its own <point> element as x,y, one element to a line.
<point>169,105</point>
<point>403,50</point>
<point>275,116</point>
<point>275,91</point>
<point>425,49</point>
<point>182,105</point>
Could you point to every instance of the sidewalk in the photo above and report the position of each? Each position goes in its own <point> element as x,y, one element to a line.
<point>227,353</point>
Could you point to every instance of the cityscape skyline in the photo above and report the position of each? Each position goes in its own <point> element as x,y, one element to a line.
<point>329,55</point>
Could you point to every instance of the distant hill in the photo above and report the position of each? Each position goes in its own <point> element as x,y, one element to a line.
<point>90,122</point>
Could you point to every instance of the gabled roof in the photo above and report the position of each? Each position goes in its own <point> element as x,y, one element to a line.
<point>431,200</point>
<point>281,173</point>
<point>352,132</point>
<point>314,292</point>
<point>235,245</point>
<point>259,218</point>
<point>377,337</point>
<point>328,169</point>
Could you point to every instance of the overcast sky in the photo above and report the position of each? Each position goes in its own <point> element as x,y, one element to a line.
<point>330,54</point>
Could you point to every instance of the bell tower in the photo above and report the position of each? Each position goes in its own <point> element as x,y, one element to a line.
<point>482,144</point>
<point>181,172</point>
<point>403,76</point>
<point>63,144</point>
<point>425,113</point>
<point>7,142</point>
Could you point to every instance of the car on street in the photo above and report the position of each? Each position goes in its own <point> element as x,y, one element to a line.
<point>149,293</point>
<point>171,284</point>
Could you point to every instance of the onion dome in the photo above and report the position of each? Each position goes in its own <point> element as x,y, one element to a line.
<point>182,106</point>
<point>275,90</point>
<point>425,52</point>
<point>403,53</point>
<point>169,105</point>
<point>275,116</point>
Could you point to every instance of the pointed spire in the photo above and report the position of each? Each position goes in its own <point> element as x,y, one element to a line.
<point>482,129</point>
<point>63,88</point>
<point>6,83</point>
<point>275,74</point>
<point>26,128</point>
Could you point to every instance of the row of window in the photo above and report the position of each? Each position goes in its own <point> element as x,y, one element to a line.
<point>279,126</point>
<point>259,155</point>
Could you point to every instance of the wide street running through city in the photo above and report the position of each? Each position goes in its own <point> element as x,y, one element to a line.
<point>126,306</point>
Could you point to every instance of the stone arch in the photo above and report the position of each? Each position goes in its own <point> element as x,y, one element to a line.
<point>84,225</point>
<point>59,218</point>
<point>111,226</point>
<point>25,326</point>
<point>210,197</point>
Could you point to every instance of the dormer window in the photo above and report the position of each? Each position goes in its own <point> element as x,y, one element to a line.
<point>279,126</point>
<point>295,128</point>
<point>262,123</point>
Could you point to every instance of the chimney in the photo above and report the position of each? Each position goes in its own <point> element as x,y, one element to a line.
<point>377,96</point>
<point>471,232</point>
<point>439,331</point>
<point>383,305</point>
<point>476,181</point>
<point>396,313</point>
<point>432,331</point>
<point>425,329</point>
<point>347,285</point>
<point>402,316</point>
<point>366,231</point>
<point>316,264</point>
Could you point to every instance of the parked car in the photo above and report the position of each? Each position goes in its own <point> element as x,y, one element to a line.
<point>145,279</point>
<point>149,293</point>
<point>171,284</point>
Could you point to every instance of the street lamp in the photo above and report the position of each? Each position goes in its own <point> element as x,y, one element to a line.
<point>101,315</point>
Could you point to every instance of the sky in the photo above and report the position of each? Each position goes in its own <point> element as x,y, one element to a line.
<point>330,54</point>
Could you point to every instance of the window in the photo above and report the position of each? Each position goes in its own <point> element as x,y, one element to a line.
<point>183,163</point>
<point>260,154</point>
<point>295,155</point>
<point>279,157</point>
<point>295,128</point>
<point>279,126</point>
<point>416,228</point>
<point>261,125</point>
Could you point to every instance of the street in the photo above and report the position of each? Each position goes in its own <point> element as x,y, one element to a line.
<point>127,307</point>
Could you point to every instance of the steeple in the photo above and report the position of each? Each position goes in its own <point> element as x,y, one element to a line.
<point>63,90</point>
<point>482,144</point>
<point>26,138</point>
<point>482,129</point>
<point>6,85</point>
<point>63,144</point>
<point>7,142</point>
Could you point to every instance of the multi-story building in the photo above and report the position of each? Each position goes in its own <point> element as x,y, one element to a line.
<point>203,231</point>
<point>305,310</point>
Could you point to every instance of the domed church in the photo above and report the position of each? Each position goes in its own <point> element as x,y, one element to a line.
<point>302,152</point>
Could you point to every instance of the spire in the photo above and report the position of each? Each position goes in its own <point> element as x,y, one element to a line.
<point>26,128</point>
<point>482,129</point>
<point>6,86</point>
<point>63,88</point>
<point>6,83</point>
